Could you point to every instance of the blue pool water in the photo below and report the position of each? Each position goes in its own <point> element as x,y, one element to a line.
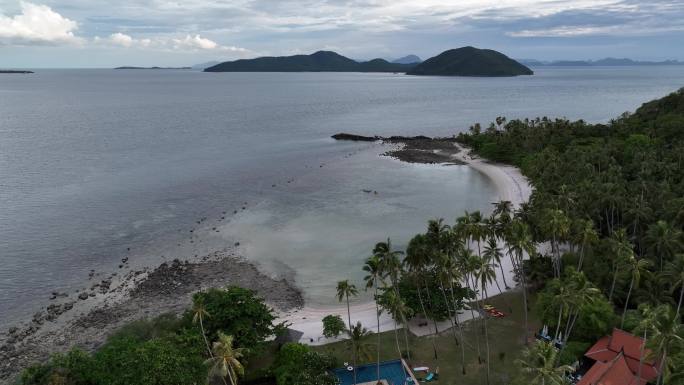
<point>391,371</point>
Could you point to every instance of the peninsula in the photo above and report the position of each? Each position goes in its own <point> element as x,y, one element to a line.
<point>15,72</point>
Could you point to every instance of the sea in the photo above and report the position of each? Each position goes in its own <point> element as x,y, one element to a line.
<point>97,165</point>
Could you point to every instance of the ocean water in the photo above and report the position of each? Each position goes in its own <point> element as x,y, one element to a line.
<point>96,165</point>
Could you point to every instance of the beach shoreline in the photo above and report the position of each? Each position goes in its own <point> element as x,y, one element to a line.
<point>511,185</point>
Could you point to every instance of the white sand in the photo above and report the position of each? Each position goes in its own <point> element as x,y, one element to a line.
<point>511,185</point>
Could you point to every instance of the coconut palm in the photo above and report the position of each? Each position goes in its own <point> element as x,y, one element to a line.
<point>416,261</point>
<point>359,335</point>
<point>539,363</point>
<point>344,291</point>
<point>622,250</point>
<point>397,308</point>
<point>667,332</point>
<point>493,253</point>
<point>485,273</point>
<point>391,266</point>
<point>663,240</point>
<point>225,361</point>
<point>637,267</point>
<point>373,279</point>
<point>519,242</point>
<point>199,312</point>
<point>675,272</point>
<point>557,226</point>
<point>467,265</point>
<point>585,235</point>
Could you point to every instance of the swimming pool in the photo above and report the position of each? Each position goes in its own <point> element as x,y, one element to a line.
<point>391,371</point>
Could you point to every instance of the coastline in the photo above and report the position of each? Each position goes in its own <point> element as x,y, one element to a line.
<point>86,318</point>
<point>511,185</point>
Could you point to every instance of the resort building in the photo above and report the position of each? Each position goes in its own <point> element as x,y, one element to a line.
<point>616,361</point>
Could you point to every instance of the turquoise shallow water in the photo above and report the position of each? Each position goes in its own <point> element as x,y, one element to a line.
<point>94,162</point>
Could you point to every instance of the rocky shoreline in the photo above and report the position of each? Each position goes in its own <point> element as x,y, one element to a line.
<point>86,320</point>
<point>413,149</point>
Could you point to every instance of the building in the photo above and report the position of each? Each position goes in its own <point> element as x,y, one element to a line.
<point>616,361</point>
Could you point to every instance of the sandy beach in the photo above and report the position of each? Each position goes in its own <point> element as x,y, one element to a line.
<point>510,184</point>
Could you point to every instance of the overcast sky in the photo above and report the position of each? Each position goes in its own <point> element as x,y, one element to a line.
<point>105,33</point>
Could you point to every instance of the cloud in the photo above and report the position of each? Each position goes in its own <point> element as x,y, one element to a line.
<point>187,43</point>
<point>37,24</point>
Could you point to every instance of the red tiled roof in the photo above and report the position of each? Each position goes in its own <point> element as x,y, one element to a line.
<point>614,372</point>
<point>628,346</point>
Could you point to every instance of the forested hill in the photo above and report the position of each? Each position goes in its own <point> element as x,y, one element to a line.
<point>470,61</point>
<point>321,61</point>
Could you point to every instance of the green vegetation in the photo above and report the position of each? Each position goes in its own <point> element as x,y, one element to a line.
<point>321,61</point>
<point>297,364</point>
<point>172,350</point>
<point>470,61</point>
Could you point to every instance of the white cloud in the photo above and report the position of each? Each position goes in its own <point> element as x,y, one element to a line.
<point>37,24</point>
<point>186,43</point>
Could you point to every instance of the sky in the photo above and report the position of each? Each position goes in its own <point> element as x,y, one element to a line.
<point>106,33</point>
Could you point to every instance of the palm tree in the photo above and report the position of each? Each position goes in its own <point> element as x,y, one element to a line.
<point>539,363</point>
<point>416,260</point>
<point>493,253</point>
<point>585,235</point>
<point>638,266</point>
<point>199,312</point>
<point>675,271</point>
<point>359,334</point>
<point>519,242</point>
<point>622,251</point>
<point>390,266</point>
<point>344,291</point>
<point>467,270</point>
<point>226,359</point>
<point>396,307</point>
<point>485,273</point>
<point>372,267</point>
<point>663,240</point>
<point>667,332</point>
<point>557,225</point>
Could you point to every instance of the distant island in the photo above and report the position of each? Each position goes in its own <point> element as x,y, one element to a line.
<point>408,59</point>
<point>466,61</point>
<point>152,68</point>
<point>470,61</point>
<point>15,72</point>
<point>321,61</point>
<point>607,62</point>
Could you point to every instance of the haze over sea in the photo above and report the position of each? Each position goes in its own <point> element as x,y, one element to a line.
<point>94,162</point>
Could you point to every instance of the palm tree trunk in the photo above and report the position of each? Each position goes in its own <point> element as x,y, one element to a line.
<point>560,314</point>
<point>472,314</point>
<point>377,313</point>
<point>351,339</point>
<point>629,293</point>
<point>524,290</point>
<point>612,286</point>
<point>429,298</point>
<point>460,328</point>
<point>484,317</point>
<point>504,277</point>
<point>396,338</point>
<point>204,335</point>
<point>422,306</point>
<point>403,318</point>
<point>581,258</point>
<point>641,358</point>
<point>679,303</point>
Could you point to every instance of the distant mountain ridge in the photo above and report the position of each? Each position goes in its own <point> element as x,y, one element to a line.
<point>470,61</point>
<point>606,62</point>
<point>408,59</point>
<point>465,61</point>
<point>321,61</point>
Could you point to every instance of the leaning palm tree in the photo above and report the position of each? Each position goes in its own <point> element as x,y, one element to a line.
<point>585,235</point>
<point>225,361</point>
<point>637,266</point>
<point>416,261</point>
<point>493,253</point>
<point>373,268</point>
<point>539,364</point>
<point>622,250</point>
<point>557,226</point>
<point>199,312</point>
<point>344,291</point>
<point>675,272</point>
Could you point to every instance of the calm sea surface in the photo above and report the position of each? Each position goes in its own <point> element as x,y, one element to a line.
<point>94,162</point>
